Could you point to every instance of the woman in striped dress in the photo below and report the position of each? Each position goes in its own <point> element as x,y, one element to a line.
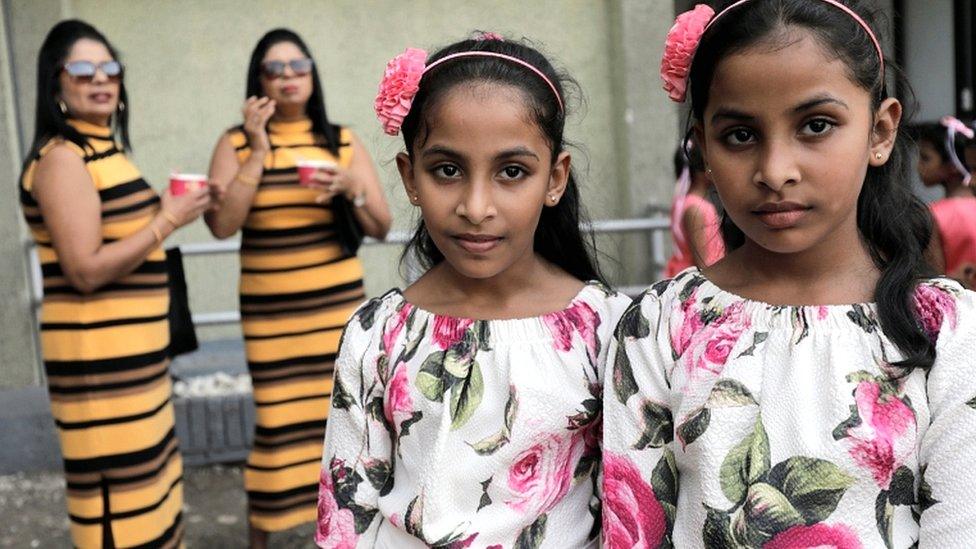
<point>99,228</point>
<point>298,287</point>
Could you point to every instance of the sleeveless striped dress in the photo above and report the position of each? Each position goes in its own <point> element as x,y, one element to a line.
<point>105,359</point>
<point>297,290</point>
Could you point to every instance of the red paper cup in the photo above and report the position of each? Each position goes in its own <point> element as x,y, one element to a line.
<point>307,169</point>
<point>181,183</point>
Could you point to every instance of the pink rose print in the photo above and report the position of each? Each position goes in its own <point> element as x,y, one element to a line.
<point>400,83</point>
<point>933,306</point>
<point>394,326</point>
<point>449,330</point>
<point>580,318</point>
<point>878,444</point>
<point>815,536</point>
<point>542,474</point>
<point>397,404</point>
<point>710,347</point>
<point>690,324</point>
<point>336,528</point>
<point>632,516</point>
<point>679,50</point>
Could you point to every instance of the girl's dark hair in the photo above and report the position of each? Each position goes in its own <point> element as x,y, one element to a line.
<point>315,109</point>
<point>558,237</point>
<point>688,154</point>
<point>894,224</point>
<point>49,121</point>
<point>937,135</point>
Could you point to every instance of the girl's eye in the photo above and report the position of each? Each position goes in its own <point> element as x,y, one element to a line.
<point>818,126</point>
<point>739,136</point>
<point>513,172</point>
<point>447,171</point>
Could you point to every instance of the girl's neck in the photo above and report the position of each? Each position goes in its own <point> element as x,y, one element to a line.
<point>955,189</point>
<point>289,114</point>
<point>818,275</point>
<point>527,289</point>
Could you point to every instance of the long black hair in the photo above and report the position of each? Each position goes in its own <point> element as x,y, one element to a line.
<point>315,108</point>
<point>894,224</point>
<point>49,121</point>
<point>558,236</point>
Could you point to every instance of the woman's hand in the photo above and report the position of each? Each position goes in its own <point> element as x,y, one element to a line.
<point>336,181</point>
<point>257,112</point>
<point>185,208</point>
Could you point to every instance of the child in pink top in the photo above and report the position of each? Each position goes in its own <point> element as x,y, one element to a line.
<point>942,161</point>
<point>695,225</point>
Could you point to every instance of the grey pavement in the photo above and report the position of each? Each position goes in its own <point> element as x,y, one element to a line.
<point>34,513</point>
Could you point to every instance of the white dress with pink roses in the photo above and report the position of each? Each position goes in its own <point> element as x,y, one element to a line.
<point>456,433</point>
<point>733,423</point>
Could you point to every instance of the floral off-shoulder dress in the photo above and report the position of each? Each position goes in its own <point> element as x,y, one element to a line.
<point>455,433</point>
<point>731,423</point>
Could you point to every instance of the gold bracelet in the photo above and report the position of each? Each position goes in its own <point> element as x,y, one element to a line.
<point>157,233</point>
<point>247,180</point>
<point>172,220</point>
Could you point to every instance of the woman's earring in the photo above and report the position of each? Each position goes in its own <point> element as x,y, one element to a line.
<point>414,199</point>
<point>64,108</point>
<point>552,198</point>
<point>121,106</point>
<point>879,156</point>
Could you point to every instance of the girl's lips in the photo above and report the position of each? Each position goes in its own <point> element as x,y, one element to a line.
<point>782,219</point>
<point>289,89</point>
<point>477,244</point>
<point>103,97</point>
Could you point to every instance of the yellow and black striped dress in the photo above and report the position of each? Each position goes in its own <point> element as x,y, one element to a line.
<point>105,358</point>
<point>297,290</point>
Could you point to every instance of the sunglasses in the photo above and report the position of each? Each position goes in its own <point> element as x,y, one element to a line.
<point>84,71</point>
<point>276,69</point>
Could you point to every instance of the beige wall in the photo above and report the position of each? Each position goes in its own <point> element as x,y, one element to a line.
<point>186,63</point>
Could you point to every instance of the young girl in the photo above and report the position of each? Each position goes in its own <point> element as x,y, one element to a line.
<point>466,409</point>
<point>694,221</point>
<point>942,161</point>
<point>813,388</point>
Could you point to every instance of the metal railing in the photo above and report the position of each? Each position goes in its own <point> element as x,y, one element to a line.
<point>657,224</point>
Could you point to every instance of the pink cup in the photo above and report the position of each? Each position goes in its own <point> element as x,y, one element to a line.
<point>181,183</point>
<point>307,169</point>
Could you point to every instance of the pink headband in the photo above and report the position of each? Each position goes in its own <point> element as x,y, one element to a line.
<point>401,81</point>
<point>687,32</point>
<point>953,126</point>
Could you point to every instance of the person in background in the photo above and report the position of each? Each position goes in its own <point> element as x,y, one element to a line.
<point>299,282</point>
<point>942,162</point>
<point>99,229</point>
<point>695,225</point>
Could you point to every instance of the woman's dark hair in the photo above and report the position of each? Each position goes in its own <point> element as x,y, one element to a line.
<point>315,109</point>
<point>894,224</point>
<point>937,135</point>
<point>49,121</point>
<point>558,237</point>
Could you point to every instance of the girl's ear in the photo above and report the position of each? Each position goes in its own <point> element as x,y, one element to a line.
<point>558,178</point>
<point>405,167</point>
<point>885,131</point>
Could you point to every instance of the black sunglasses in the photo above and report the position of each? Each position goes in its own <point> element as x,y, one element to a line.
<point>84,71</point>
<point>276,69</point>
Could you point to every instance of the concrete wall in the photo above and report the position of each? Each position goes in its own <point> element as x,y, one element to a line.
<point>186,64</point>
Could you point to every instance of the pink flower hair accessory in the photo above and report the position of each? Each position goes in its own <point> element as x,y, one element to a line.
<point>680,47</point>
<point>400,83</point>
<point>953,126</point>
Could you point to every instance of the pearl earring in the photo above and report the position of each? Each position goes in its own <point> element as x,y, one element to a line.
<point>64,108</point>
<point>879,156</point>
<point>552,198</point>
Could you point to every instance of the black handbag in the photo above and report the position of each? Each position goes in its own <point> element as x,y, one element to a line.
<point>182,333</point>
<point>349,230</point>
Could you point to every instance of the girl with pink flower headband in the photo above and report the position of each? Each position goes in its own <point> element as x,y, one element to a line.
<point>942,162</point>
<point>466,409</point>
<point>814,387</point>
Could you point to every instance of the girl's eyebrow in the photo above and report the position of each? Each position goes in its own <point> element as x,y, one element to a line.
<point>441,150</point>
<point>516,151</point>
<point>732,114</point>
<point>818,101</point>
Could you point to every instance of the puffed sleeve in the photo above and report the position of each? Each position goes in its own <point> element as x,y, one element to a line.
<point>640,480</point>
<point>947,488</point>
<point>357,460</point>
